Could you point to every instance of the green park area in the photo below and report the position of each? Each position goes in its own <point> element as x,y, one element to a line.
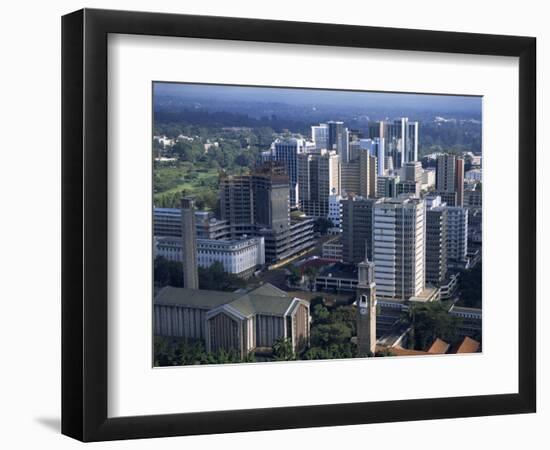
<point>185,178</point>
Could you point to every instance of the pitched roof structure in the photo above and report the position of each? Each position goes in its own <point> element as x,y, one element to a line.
<point>266,300</point>
<point>438,347</point>
<point>468,345</point>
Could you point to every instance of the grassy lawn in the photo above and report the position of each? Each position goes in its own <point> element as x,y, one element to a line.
<point>170,182</point>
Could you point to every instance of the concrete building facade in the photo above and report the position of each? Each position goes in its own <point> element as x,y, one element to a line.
<point>457,236</point>
<point>357,231</point>
<point>318,178</point>
<point>399,230</point>
<point>238,256</point>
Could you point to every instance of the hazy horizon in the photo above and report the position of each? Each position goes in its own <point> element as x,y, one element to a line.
<point>449,103</point>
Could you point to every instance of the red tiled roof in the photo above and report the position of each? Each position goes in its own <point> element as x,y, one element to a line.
<point>468,345</point>
<point>438,347</point>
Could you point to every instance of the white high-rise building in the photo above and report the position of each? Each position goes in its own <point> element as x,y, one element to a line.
<point>399,231</point>
<point>400,140</point>
<point>375,147</point>
<point>286,152</point>
<point>335,212</point>
<point>319,136</point>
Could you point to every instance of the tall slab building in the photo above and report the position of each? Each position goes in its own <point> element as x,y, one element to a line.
<point>399,230</point>
<point>318,178</point>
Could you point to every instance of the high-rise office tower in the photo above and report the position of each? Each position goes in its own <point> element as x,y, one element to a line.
<point>449,179</point>
<point>399,247</point>
<point>457,235</point>
<point>408,187</point>
<point>271,198</point>
<point>189,244</point>
<point>459,181</point>
<point>436,241</point>
<point>378,150</point>
<point>286,151</point>
<point>260,199</point>
<point>319,136</point>
<point>349,173</point>
<point>386,186</point>
<point>412,171</point>
<point>359,175</point>
<point>318,178</point>
<point>366,310</point>
<point>356,225</point>
<point>258,205</point>
<point>400,139</point>
<point>367,175</point>
<point>354,149</point>
<point>338,139</point>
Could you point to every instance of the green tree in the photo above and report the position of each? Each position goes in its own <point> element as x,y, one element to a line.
<point>323,335</point>
<point>282,350</point>
<point>320,313</point>
<point>216,278</point>
<point>470,287</point>
<point>430,321</point>
<point>322,225</point>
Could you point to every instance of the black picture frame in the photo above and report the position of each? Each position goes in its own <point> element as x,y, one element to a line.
<point>84,224</point>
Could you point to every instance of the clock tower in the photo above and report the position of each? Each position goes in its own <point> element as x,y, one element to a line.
<point>366,309</point>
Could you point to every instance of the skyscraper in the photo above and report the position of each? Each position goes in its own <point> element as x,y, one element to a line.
<point>457,235</point>
<point>459,181</point>
<point>436,241</point>
<point>258,205</point>
<point>189,244</point>
<point>357,218</point>
<point>318,178</point>
<point>400,139</point>
<point>399,247</point>
<point>412,171</point>
<point>260,199</point>
<point>387,186</point>
<point>449,180</point>
<point>286,152</point>
<point>367,175</point>
<point>319,136</point>
<point>338,139</point>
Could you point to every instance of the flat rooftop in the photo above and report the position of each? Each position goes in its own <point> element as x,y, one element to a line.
<point>340,270</point>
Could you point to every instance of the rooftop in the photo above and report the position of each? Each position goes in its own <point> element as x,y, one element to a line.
<point>266,299</point>
<point>340,270</point>
<point>468,345</point>
<point>438,347</point>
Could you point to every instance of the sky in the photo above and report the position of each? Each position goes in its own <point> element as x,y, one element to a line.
<point>227,93</point>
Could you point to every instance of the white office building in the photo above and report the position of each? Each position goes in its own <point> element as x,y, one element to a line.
<point>319,136</point>
<point>286,151</point>
<point>474,175</point>
<point>428,179</point>
<point>398,247</point>
<point>335,212</point>
<point>375,147</point>
<point>238,256</point>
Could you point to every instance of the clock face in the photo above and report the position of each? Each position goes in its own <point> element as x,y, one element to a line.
<point>363,311</point>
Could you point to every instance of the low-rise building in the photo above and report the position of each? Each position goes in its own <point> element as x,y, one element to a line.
<point>238,256</point>
<point>232,321</point>
<point>333,249</point>
<point>471,320</point>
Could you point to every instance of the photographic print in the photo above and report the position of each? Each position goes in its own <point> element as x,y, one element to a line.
<point>312,224</point>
